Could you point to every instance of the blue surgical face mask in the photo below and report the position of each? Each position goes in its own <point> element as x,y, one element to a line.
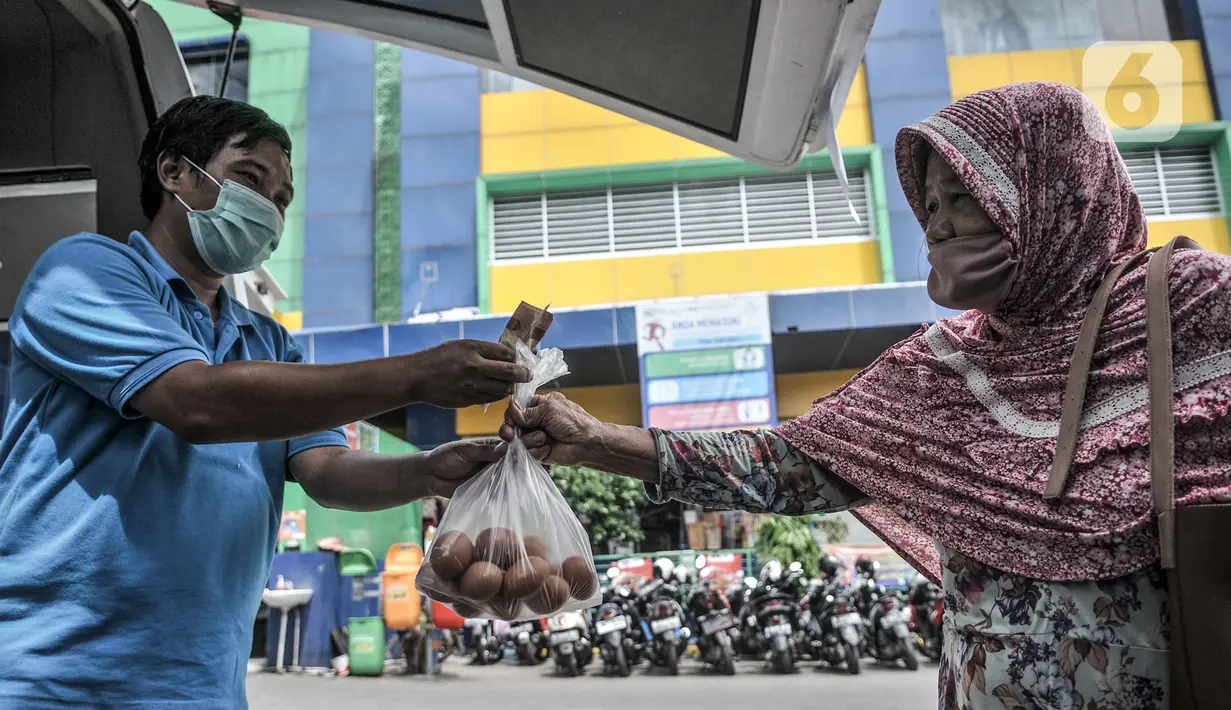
<point>240,232</point>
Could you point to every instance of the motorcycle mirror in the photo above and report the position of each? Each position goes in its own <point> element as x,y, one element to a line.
<point>700,561</point>
<point>795,566</point>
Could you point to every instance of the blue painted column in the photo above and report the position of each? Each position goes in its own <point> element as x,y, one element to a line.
<point>440,160</point>
<point>337,271</point>
<point>908,80</point>
<point>1214,31</point>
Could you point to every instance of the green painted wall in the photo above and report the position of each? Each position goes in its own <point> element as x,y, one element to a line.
<point>277,83</point>
<point>373,531</point>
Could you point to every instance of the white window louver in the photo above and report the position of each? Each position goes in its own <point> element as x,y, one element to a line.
<point>1175,181</point>
<point>833,214</point>
<point>643,217</point>
<point>517,222</point>
<point>697,214</point>
<point>577,223</point>
<point>710,213</point>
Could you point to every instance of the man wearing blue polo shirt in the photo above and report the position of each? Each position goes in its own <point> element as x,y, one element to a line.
<point>153,422</point>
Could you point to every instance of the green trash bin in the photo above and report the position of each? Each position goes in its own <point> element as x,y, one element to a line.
<point>366,645</point>
<point>356,562</point>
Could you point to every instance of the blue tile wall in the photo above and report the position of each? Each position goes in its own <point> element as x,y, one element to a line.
<point>348,345</point>
<point>601,326</point>
<point>447,264</point>
<point>337,303</point>
<point>1215,33</point>
<point>901,92</point>
<point>443,214</point>
<point>337,286</point>
<point>440,161</point>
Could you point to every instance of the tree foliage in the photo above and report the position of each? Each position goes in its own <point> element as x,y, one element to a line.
<point>834,529</point>
<point>607,505</point>
<point>788,539</point>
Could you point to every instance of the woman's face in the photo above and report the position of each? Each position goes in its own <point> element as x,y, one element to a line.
<point>952,211</point>
<point>972,266</point>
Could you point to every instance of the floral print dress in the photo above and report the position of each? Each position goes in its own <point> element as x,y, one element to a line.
<point>1011,642</point>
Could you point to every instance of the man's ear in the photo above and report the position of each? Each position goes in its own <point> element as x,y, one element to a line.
<point>170,171</point>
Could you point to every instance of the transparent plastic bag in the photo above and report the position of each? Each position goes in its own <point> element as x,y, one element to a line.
<point>509,547</point>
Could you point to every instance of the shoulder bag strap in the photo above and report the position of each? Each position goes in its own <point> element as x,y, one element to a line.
<point>1157,301</point>
<point>1161,379</point>
<point>1079,370</point>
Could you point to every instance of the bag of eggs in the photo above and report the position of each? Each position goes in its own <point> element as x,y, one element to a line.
<point>508,546</point>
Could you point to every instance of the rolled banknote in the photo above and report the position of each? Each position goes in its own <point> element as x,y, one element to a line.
<point>528,324</point>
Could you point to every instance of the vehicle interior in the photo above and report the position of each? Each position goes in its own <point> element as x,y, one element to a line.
<point>83,79</point>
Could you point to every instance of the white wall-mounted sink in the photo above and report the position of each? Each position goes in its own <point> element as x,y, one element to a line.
<point>286,598</point>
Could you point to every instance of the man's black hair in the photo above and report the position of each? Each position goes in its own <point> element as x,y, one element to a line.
<point>197,128</point>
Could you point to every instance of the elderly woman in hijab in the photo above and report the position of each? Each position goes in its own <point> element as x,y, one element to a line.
<point>945,444</point>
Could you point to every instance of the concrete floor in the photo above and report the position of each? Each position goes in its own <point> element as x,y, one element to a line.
<point>506,686</point>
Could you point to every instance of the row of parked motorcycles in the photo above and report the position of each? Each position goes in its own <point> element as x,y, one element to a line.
<point>631,626</point>
<point>782,618</point>
<point>785,618</point>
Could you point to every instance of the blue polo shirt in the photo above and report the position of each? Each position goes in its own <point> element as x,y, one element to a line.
<point>131,561</point>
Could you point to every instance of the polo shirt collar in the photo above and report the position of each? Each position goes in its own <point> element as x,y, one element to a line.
<point>227,308</point>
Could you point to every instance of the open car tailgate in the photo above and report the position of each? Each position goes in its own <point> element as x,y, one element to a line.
<point>758,79</point>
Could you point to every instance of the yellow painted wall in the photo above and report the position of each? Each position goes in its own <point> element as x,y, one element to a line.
<point>638,278</point>
<point>529,131</point>
<point>292,320</point>
<point>621,404</point>
<point>1209,233</point>
<point>971,73</point>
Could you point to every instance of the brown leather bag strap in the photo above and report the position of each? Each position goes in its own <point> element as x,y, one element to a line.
<point>1161,377</point>
<point>1075,388</point>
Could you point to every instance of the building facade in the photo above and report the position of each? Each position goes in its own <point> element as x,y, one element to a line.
<point>436,196</point>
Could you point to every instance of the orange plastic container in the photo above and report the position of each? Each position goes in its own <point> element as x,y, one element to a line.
<point>402,608</point>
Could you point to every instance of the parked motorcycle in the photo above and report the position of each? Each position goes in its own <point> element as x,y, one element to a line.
<point>713,618</point>
<point>745,636</point>
<point>616,625</point>
<point>927,610</point>
<point>836,629</point>
<point>886,622</point>
<point>664,618</point>
<point>569,635</point>
<point>774,604</point>
<point>529,639</point>
<point>488,648</point>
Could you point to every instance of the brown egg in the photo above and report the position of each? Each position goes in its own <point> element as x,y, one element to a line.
<point>555,569</point>
<point>505,608</point>
<point>481,581</point>
<point>525,577</point>
<point>500,546</point>
<point>580,575</point>
<point>550,597</point>
<point>536,546</point>
<point>451,554</point>
<point>444,592</point>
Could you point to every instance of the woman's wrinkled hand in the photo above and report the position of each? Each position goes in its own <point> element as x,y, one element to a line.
<point>554,429</point>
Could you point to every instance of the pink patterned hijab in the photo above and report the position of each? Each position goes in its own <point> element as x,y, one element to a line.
<point>951,433</point>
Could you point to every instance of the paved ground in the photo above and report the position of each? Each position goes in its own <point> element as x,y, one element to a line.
<point>508,687</point>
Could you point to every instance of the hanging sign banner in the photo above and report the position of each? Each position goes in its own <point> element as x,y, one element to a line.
<point>706,363</point>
